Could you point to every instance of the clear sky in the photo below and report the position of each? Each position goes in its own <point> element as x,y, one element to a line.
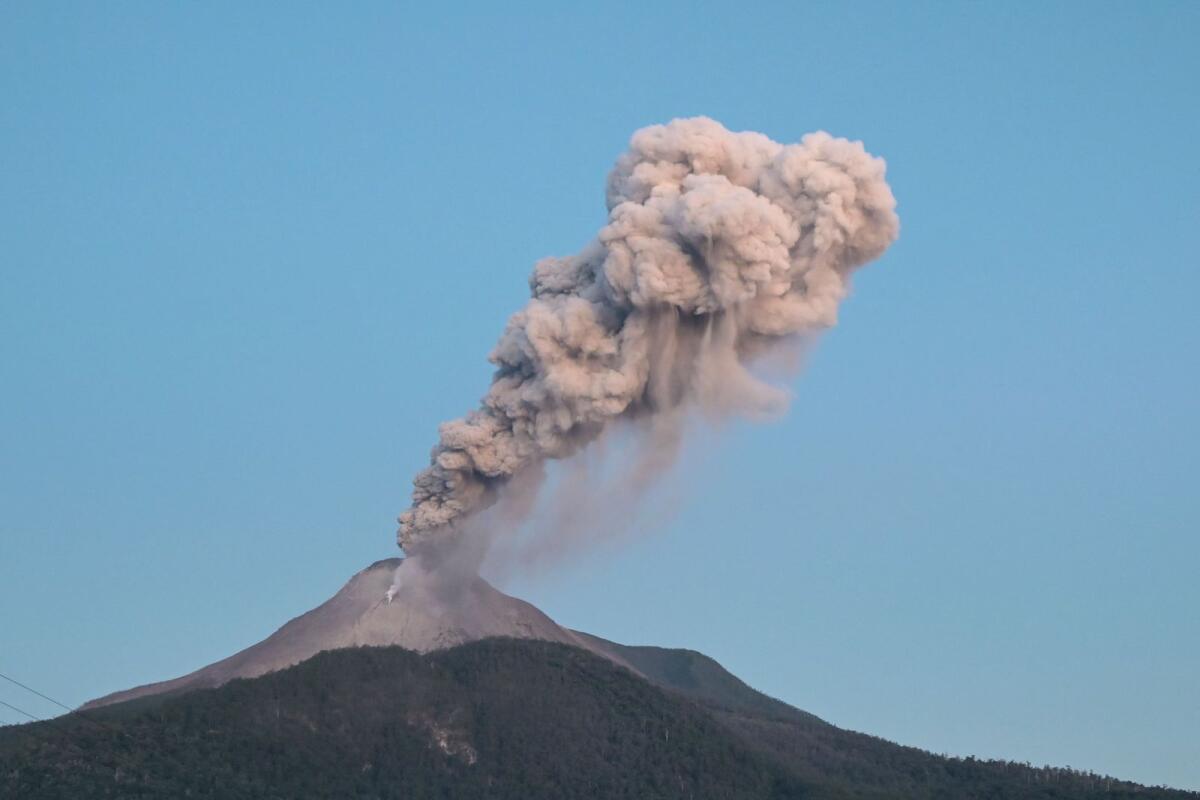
<point>250,257</point>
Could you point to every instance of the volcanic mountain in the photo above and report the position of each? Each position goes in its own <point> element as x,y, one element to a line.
<point>475,694</point>
<point>367,612</point>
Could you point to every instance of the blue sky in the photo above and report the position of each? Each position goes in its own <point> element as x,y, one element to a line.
<point>252,256</point>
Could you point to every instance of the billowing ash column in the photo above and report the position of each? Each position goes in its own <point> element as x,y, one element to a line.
<point>717,245</point>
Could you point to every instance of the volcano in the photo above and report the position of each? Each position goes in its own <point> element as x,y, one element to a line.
<point>463,691</point>
<point>364,614</point>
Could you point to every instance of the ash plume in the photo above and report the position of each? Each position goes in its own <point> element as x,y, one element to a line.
<point>718,247</point>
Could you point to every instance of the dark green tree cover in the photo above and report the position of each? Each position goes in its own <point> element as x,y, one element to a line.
<point>854,765</point>
<point>494,719</point>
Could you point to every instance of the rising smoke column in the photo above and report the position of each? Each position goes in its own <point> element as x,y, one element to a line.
<point>718,245</point>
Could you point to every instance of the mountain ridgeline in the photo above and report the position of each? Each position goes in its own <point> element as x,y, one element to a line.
<point>494,718</point>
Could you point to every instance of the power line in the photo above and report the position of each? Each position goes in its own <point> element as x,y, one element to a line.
<point>25,728</point>
<point>8,720</point>
<point>20,711</point>
<point>35,691</point>
<point>51,722</point>
<point>66,741</point>
<point>71,711</point>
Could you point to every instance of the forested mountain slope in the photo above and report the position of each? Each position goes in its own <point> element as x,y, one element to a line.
<point>496,718</point>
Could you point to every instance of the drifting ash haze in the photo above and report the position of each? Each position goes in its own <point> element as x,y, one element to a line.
<point>718,247</point>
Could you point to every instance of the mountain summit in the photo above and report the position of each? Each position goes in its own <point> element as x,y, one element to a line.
<point>364,613</point>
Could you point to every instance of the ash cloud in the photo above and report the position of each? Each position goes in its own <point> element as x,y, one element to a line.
<point>718,248</point>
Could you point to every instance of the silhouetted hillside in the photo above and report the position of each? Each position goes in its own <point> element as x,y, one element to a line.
<point>695,675</point>
<point>498,718</point>
<point>495,718</point>
<point>846,763</point>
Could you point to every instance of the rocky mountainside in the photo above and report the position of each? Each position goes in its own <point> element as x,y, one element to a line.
<point>363,614</point>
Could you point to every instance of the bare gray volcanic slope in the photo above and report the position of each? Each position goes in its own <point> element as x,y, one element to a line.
<point>360,615</point>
